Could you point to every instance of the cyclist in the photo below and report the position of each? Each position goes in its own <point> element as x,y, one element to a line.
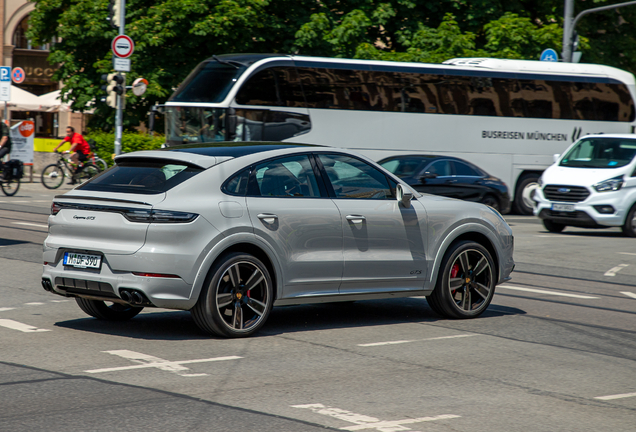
<point>5,144</point>
<point>79,146</point>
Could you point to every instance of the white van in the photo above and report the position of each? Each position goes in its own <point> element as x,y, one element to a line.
<point>592,185</point>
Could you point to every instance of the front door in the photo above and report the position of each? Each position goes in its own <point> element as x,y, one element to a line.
<point>384,242</point>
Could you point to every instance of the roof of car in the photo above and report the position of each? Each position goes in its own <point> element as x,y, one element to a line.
<point>233,149</point>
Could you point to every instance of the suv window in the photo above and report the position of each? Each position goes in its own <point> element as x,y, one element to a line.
<point>352,178</point>
<point>142,177</point>
<point>286,177</point>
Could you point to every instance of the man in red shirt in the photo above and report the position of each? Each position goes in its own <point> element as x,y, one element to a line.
<point>79,146</point>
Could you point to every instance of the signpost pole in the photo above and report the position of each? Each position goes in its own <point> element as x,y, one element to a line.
<point>119,118</point>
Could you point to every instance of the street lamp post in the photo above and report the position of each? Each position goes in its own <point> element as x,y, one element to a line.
<point>569,24</point>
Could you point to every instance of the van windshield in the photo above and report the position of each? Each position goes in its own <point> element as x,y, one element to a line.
<point>600,153</point>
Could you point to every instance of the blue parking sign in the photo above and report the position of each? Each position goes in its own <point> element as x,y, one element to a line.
<point>5,83</point>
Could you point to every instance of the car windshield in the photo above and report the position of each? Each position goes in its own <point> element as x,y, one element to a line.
<point>403,167</point>
<point>190,125</point>
<point>600,153</point>
<point>141,177</point>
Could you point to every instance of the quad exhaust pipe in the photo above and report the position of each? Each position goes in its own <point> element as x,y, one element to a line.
<point>134,297</point>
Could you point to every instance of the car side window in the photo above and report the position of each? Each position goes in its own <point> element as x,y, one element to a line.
<point>462,169</point>
<point>237,185</point>
<point>441,168</point>
<point>286,177</point>
<point>353,178</point>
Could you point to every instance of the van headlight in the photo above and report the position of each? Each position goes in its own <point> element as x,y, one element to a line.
<point>612,184</point>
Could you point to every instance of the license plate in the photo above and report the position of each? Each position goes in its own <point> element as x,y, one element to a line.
<point>79,260</point>
<point>563,207</point>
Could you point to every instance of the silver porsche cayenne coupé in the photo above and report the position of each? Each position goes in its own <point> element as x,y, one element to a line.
<point>228,232</point>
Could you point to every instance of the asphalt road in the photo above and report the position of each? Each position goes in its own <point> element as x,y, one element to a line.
<point>556,351</point>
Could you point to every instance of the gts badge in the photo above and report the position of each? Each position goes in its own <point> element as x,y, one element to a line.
<point>84,217</point>
<point>416,272</point>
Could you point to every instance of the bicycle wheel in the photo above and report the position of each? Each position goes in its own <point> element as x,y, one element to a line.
<point>100,163</point>
<point>52,176</point>
<point>87,172</point>
<point>10,187</point>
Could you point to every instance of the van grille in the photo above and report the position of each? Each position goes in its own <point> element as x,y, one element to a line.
<point>565,193</point>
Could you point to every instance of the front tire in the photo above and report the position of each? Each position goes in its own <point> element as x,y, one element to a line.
<point>10,187</point>
<point>107,312</point>
<point>553,227</point>
<point>629,229</point>
<point>491,201</point>
<point>466,282</point>
<point>52,176</point>
<point>237,297</point>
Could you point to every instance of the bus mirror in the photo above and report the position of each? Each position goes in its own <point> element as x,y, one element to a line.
<point>230,124</point>
<point>403,196</point>
<point>555,157</point>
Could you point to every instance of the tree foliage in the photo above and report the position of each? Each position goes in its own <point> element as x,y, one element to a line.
<point>172,36</point>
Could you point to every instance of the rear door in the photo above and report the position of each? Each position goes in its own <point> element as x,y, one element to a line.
<point>291,211</point>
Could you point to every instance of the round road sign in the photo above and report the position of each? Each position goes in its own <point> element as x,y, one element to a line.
<point>123,46</point>
<point>17,75</point>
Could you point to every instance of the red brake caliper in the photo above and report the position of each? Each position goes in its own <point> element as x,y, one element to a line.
<point>453,273</point>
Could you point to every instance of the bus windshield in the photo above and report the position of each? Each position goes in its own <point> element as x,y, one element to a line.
<point>190,125</point>
<point>210,82</point>
<point>600,153</point>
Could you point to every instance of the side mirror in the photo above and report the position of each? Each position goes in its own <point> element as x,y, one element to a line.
<point>555,157</point>
<point>403,196</point>
<point>427,175</point>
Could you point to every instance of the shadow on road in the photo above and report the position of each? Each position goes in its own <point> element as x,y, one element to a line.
<point>178,325</point>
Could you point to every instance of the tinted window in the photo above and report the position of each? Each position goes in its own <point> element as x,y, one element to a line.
<point>209,82</point>
<point>237,185</point>
<point>352,178</point>
<point>403,167</point>
<point>141,177</point>
<point>286,177</point>
<point>272,87</point>
<point>462,169</point>
<point>442,168</point>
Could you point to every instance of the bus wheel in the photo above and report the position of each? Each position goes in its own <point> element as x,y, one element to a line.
<point>524,204</point>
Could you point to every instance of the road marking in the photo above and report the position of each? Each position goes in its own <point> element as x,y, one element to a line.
<point>60,301</point>
<point>34,304</point>
<point>618,396</point>
<point>31,224</point>
<point>613,271</point>
<point>362,421</point>
<point>148,361</point>
<point>6,309</point>
<point>415,340</point>
<point>554,293</point>
<point>629,294</point>
<point>626,253</point>
<point>14,325</point>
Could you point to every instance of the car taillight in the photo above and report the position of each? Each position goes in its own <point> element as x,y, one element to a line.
<point>158,216</point>
<point>156,275</point>
<point>55,208</point>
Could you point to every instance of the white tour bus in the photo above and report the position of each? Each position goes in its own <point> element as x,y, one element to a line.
<point>507,116</point>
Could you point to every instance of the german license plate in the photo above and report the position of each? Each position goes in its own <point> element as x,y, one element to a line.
<point>563,207</point>
<point>78,260</point>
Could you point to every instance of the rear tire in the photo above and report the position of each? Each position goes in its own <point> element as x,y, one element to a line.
<point>466,281</point>
<point>491,201</point>
<point>52,176</point>
<point>629,229</point>
<point>112,312</point>
<point>553,227</point>
<point>237,297</point>
<point>10,187</point>
<point>523,194</point>
<point>87,172</point>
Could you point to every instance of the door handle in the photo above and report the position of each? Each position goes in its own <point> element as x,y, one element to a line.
<point>356,219</point>
<point>267,217</point>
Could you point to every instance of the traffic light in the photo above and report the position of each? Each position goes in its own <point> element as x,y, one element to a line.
<point>114,13</point>
<point>116,87</point>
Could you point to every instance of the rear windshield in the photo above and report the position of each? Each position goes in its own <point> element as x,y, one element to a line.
<point>600,153</point>
<point>141,177</point>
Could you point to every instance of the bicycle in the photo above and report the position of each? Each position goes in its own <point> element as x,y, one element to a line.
<point>8,181</point>
<point>53,175</point>
<point>96,160</point>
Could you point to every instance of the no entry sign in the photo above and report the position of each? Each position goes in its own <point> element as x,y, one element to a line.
<point>123,46</point>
